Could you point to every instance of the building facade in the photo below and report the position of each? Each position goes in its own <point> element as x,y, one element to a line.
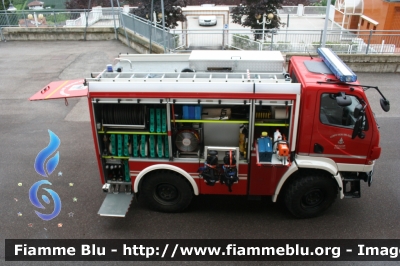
<point>368,14</point>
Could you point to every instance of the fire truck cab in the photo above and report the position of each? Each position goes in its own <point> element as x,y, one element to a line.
<point>170,127</point>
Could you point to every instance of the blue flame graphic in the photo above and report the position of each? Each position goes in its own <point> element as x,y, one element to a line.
<point>45,153</point>
<point>35,201</point>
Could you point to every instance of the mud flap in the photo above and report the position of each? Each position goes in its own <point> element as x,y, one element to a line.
<point>116,205</point>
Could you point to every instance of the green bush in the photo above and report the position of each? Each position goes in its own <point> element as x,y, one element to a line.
<point>57,4</point>
<point>337,47</point>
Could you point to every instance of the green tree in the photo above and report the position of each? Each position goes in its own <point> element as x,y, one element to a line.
<point>172,11</point>
<point>252,12</point>
<point>6,4</point>
<point>295,2</point>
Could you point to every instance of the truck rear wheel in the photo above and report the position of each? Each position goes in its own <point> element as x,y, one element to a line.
<point>166,191</point>
<point>309,196</point>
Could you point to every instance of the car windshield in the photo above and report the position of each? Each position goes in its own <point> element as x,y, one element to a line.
<point>208,18</point>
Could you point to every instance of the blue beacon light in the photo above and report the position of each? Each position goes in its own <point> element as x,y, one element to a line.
<point>336,65</point>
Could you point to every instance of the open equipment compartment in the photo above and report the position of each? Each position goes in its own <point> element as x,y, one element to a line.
<point>128,129</point>
<point>272,129</point>
<point>204,122</point>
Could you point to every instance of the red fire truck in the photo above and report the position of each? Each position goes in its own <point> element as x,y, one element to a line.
<point>170,127</point>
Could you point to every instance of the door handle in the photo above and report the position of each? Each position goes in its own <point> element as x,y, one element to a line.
<point>318,148</point>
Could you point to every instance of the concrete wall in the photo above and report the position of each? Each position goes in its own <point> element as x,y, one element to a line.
<point>137,42</point>
<point>357,62</point>
<point>368,63</point>
<point>58,34</point>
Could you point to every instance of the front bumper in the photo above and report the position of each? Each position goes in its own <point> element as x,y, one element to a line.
<point>351,183</point>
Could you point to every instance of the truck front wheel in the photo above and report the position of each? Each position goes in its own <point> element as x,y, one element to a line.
<point>166,191</point>
<point>308,196</point>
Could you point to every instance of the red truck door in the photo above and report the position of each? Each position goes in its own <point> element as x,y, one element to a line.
<point>333,128</point>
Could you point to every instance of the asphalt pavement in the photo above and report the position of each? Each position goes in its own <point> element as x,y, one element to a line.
<point>26,67</point>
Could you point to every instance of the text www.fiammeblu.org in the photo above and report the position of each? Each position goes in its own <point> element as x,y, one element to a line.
<point>231,250</point>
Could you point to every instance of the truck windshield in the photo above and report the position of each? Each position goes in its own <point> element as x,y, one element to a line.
<point>333,114</point>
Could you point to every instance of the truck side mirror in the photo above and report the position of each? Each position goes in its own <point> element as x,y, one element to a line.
<point>385,105</point>
<point>358,111</point>
<point>357,131</point>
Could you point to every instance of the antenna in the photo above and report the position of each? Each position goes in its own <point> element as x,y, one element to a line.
<point>309,53</point>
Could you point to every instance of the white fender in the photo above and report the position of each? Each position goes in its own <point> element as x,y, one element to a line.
<point>320,163</point>
<point>165,167</point>
<point>293,168</point>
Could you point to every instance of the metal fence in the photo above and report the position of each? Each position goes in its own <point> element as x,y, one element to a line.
<point>285,40</point>
<point>291,10</point>
<point>152,31</point>
<point>304,41</point>
<point>319,11</point>
<point>311,11</point>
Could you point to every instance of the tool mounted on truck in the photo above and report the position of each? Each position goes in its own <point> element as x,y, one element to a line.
<point>169,127</point>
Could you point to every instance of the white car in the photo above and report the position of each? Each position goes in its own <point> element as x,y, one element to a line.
<point>207,20</point>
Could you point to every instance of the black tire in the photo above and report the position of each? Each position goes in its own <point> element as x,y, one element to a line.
<point>166,191</point>
<point>310,195</point>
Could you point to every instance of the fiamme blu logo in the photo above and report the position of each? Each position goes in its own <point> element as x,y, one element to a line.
<point>45,166</point>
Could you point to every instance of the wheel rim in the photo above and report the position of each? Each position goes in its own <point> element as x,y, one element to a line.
<point>166,194</point>
<point>313,198</point>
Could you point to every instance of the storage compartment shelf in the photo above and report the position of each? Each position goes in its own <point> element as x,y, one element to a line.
<point>211,121</point>
<point>271,125</point>
<point>125,126</point>
<point>274,159</point>
<point>131,157</point>
<point>132,132</point>
<point>115,157</point>
<point>119,182</point>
